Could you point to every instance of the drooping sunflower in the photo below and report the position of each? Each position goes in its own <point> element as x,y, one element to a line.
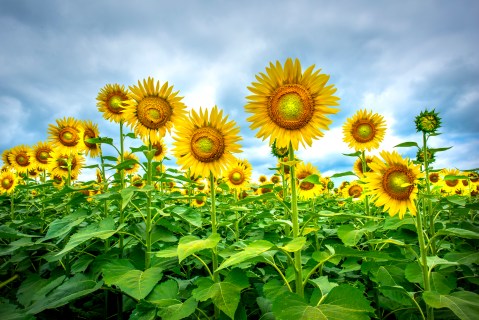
<point>133,158</point>
<point>40,153</point>
<point>392,183</point>
<point>5,158</point>
<point>358,166</point>
<point>90,131</point>
<point>238,175</point>
<point>152,110</point>
<point>206,142</point>
<point>449,186</point>
<point>8,182</point>
<point>160,149</point>
<point>66,136</point>
<point>58,164</point>
<point>111,102</point>
<point>364,130</point>
<point>19,158</point>
<point>354,190</point>
<point>289,105</point>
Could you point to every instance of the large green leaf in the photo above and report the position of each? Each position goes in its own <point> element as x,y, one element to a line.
<point>466,258</point>
<point>189,245</point>
<point>225,295</point>
<point>144,311</point>
<point>252,250</point>
<point>457,232</point>
<point>9,233</point>
<point>12,312</point>
<point>133,282</point>
<point>164,294</point>
<point>178,310</point>
<point>464,304</point>
<point>349,235</point>
<point>294,245</point>
<point>187,214</point>
<point>35,288</point>
<point>61,227</point>
<point>71,289</point>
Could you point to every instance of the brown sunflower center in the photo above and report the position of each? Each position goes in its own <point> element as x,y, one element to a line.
<point>22,159</point>
<point>158,149</point>
<point>262,179</point>
<point>363,131</point>
<point>306,185</point>
<point>236,177</point>
<point>7,183</point>
<point>452,183</point>
<point>115,104</point>
<point>207,144</point>
<point>355,191</point>
<point>434,177</point>
<point>154,112</point>
<point>89,134</point>
<point>303,174</point>
<point>275,179</point>
<point>474,177</point>
<point>68,136</point>
<point>62,163</point>
<point>397,183</point>
<point>42,156</point>
<point>291,106</point>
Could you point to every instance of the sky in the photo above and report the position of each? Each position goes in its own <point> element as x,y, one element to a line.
<point>396,58</point>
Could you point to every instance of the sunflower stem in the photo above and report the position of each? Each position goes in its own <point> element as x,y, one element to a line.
<point>237,217</point>
<point>365,168</point>
<point>427,204</point>
<point>287,229</point>
<point>122,186</point>
<point>298,267</point>
<point>12,205</point>
<point>148,208</point>
<point>214,231</point>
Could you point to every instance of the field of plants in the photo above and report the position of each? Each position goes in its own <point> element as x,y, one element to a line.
<point>397,239</point>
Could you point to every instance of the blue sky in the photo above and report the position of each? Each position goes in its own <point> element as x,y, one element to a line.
<point>393,57</point>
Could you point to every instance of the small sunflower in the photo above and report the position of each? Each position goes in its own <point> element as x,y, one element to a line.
<point>58,164</point>
<point>8,182</point>
<point>275,179</point>
<point>392,183</point>
<point>364,130</point>
<point>160,149</point>
<point>134,166</point>
<point>66,136</point>
<point>262,179</point>
<point>420,155</point>
<point>473,177</point>
<point>111,102</point>
<point>5,158</point>
<point>137,181</point>
<point>58,181</point>
<point>428,121</point>
<point>289,105</point>
<point>305,169</point>
<point>152,110</point>
<point>20,159</point>
<point>354,190</point>
<point>279,152</point>
<point>90,131</point>
<point>198,201</point>
<point>264,188</point>
<point>206,143</point>
<point>40,153</point>
<point>237,175</point>
<point>358,166</point>
<point>308,190</point>
<point>449,186</point>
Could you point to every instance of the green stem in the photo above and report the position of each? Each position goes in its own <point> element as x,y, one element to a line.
<point>237,232</point>
<point>214,230</point>
<point>298,266</point>
<point>287,229</point>
<point>423,262</point>
<point>148,208</point>
<point>12,205</point>
<point>122,184</point>
<point>427,204</point>
<point>365,168</point>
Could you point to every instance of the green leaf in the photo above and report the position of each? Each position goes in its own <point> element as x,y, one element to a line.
<point>167,253</point>
<point>253,250</point>
<point>413,273</point>
<point>189,245</point>
<point>355,154</point>
<point>127,164</point>
<point>434,150</point>
<point>457,232</point>
<point>443,283</point>
<point>178,310</point>
<point>323,284</point>
<point>224,295</point>
<point>9,233</point>
<point>466,258</point>
<point>35,288</point>
<point>434,261</point>
<point>135,283</point>
<point>102,230</point>
<point>187,214</point>
<point>294,245</point>
<point>71,289</point>
<point>349,235</point>
<point>11,312</point>
<point>61,227</point>
<point>238,277</point>
<point>313,178</point>
<point>143,311</point>
<point>456,199</point>
<point>407,144</point>
<point>390,288</point>
<point>464,304</point>
<point>163,293</point>
<point>343,174</point>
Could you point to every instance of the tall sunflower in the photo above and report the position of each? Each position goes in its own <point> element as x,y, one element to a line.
<point>58,164</point>
<point>111,102</point>
<point>40,153</point>
<point>66,136</point>
<point>19,158</point>
<point>8,182</point>
<point>152,110</point>
<point>90,131</point>
<point>289,105</point>
<point>206,142</point>
<point>364,130</point>
<point>133,158</point>
<point>392,183</point>
<point>238,175</point>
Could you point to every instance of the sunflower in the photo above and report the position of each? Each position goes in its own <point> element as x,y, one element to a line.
<point>434,178</point>
<point>392,183</point>
<point>364,130</point>
<point>305,169</point>
<point>237,175</point>
<point>275,179</point>
<point>90,131</point>
<point>264,188</point>
<point>449,186</point>
<point>58,164</point>
<point>5,158</point>
<point>473,177</point>
<point>131,157</point>
<point>58,181</point>
<point>152,110</point>
<point>279,152</point>
<point>428,121</point>
<point>354,190</point>
<point>19,158</point>
<point>198,201</point>
<point>40,153</point>
<point>137,181</point>
<point>205,143</point>
<point>262,179</point>
<point>358,166</point>
<point>160,149</point>
<point>8,182</point>
<point>420,155</point>
<point>111,102</point>
<point>66,136</point>
<point>290,106</point>
<point>308,190</point>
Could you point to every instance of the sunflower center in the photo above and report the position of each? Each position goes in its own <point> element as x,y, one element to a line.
<point>22,159</point>
<point>434,177</point>
<point>236,177</point>
<point>68,137</point>
<point>207,144</point>
<point>42,156</point>
<point>355,191</point>
<point>306,185</point>
<point>291,107</point>
<point>89,134</point>
<point>115,104</point>
<point>7,183</point>
<point>153,112</point>
<point>363,131</point>
<point>394,183</point>
<point>452,183</point>
<point>158,149</point>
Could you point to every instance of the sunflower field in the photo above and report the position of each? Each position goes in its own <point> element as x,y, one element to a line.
<point>397,239</point>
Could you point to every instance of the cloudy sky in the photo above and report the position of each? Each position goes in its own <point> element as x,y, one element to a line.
<point>393,57</point>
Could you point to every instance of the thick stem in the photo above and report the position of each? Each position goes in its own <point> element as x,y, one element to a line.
<point>423,262</point>
<point>214,230</point>
<point>427,204</point>
<point>298,266</point>
<point>365,168</point>
<point>122,184</point>
<point>237,232</point>
<point>148,208</point>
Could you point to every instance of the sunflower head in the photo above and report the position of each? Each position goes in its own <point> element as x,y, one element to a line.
<point>137,181</point>
<point>428,121</point>
<point>90,131</point>
<point>279,153</point>
<point>8,182</point>
<point>275,179</point>
<point>67,135</point>
<point>238,175</point>
<point>160,149</point>
<point>20,159</point>
<point>354,190</point>
<point>198,201</point>
<point>434,177</point>
<point>111,102</point>
<point>448,181</point>
<point>134,162</point>
<point>358,166</point>
<point>289,105</point>
<point>473,177</point>
<point>364,130</point>
<point>5,158</point>
<point>206,142</point>
<point>420,155</point>
<point>58,164</point>
<point>40,153</point>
